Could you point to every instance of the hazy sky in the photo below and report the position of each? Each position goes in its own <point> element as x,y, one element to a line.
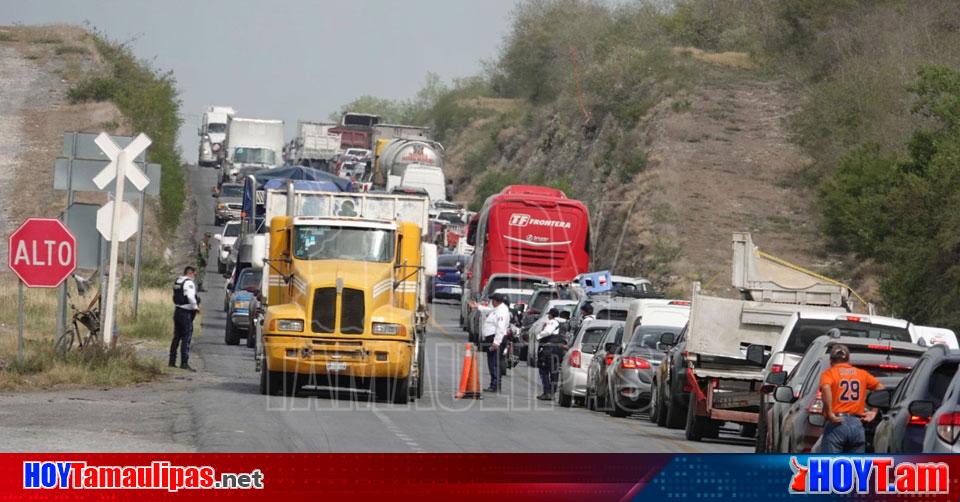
<point>288,59</point>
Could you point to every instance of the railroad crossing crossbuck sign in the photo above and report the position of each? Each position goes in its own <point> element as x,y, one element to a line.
<point>121,163</point>
<point>42,252</point>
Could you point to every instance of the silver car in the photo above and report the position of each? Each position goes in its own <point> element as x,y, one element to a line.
<point>573,370</point>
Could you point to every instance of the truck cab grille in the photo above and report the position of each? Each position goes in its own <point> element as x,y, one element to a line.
<point>351,312</point>
<point>324,310</point>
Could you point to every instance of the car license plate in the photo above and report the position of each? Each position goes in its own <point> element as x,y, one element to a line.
<point>336,366</point>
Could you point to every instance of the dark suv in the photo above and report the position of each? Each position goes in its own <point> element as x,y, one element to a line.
<point>901,431</point>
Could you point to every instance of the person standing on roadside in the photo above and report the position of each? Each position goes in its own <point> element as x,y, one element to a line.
<point>203,253</point>
<point>186,307</point>
<point>551,346</point>
<point>844,389</point>
<point>494,330</point>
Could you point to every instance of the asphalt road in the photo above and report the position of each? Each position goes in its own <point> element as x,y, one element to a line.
<point>229,414</point>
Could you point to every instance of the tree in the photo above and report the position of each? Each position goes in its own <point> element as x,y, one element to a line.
<point>905,213</point>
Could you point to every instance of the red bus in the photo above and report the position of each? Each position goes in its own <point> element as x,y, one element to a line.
<point>530,231</point>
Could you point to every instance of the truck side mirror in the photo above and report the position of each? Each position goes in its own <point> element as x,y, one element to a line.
<point>668,339</point>
<point>776,378</point>
<point>757,355</point>
<point>429,253</point>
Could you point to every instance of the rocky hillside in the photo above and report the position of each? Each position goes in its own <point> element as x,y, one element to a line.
<point>665,195</point>
<point>40,68</point>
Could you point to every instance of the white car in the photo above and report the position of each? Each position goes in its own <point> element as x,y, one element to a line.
<point>573,370</point>
<point>929,336</point>
<point>227,239</point>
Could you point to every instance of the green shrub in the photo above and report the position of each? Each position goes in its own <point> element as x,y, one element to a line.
<point>94,89</point>
<point>149,98</point>
<point>492,182</point>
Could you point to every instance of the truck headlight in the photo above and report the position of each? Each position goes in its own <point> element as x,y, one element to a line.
<point>386,328</point>
<point>289,325</point>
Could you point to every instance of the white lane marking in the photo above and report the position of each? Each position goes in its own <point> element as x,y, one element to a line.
<point>392,427</point>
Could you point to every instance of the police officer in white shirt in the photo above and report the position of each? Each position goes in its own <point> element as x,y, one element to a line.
<point>494,329</point>
<point>186,307</point>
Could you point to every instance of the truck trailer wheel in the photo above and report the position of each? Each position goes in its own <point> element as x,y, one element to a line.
<point>699,427</point>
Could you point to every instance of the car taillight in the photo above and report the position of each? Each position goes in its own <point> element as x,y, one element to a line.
<point>609,359</point>
<point>915,420</point>
<point>880,347</point>
<point>776,368</point>
<point>948,426</point>
<point>634,363</point>
<point>892,366</point>
<point>439,273</point>
<point>575,359</point>
<point>816,407</point>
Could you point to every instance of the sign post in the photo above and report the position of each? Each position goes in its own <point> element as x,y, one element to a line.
<point>119,169</point>
<point>20,323</point>
<point>42,252</point>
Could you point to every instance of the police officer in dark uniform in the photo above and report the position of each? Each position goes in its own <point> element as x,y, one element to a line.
<point>551,347</point>
<point>186,307</point>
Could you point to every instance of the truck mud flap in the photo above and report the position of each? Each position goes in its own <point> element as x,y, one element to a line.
<point>694,386</point>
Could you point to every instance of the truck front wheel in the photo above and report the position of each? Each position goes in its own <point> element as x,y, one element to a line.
<point>271,382</point>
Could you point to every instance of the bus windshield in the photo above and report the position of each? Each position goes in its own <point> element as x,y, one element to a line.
<point>323,242</point>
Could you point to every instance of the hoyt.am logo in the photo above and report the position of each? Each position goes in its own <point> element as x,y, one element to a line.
<point>876,475</point>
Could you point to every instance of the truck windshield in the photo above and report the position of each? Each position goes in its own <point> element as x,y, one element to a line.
<point>214,127</point>
<point>231,191</point>
<point>807,330</point>
<point>323,242</point>
<point>254,156</point>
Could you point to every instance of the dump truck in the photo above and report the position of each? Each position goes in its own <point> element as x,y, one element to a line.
<point>315,146</point>
<point>346,293</point>
<point>728,341</point>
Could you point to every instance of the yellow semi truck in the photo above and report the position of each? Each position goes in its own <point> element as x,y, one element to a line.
<point>345,305</point>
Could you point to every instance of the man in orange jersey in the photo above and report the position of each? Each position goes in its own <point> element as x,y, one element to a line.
<point>844,392</point>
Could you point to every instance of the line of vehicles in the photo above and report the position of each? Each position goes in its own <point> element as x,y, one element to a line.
<point>373,155</point>
<point>330,278</point>
<point>706,362</point>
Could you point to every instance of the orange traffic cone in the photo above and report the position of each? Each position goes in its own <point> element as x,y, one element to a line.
<point>470,377</point>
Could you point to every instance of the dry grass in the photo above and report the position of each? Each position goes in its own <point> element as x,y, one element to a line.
<point>43,368</point>
<point>740,60</point>
<point>499,105</point>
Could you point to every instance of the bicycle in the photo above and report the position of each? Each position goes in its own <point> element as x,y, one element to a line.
<point>89,318</point>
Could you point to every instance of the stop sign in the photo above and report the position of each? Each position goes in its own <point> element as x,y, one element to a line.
<point>42,252</point>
